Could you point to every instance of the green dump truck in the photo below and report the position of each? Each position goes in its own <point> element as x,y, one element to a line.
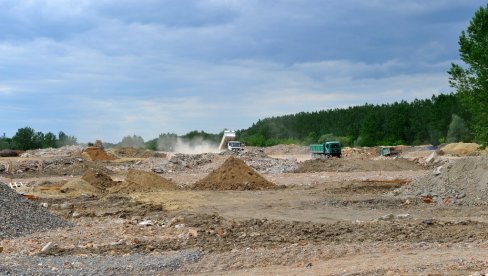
<point>327,149</point>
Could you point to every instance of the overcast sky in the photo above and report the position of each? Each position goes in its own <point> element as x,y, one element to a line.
<point>104,69</point>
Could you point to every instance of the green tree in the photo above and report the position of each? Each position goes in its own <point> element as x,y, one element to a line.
<point>24,138</point>
<point>471,82</point>
<point>49,140</point>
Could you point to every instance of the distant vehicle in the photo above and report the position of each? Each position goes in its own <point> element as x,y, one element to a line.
<point>389,151</point>
<point>228,142</point>
<point>327,149</point>
<point>234,146</point>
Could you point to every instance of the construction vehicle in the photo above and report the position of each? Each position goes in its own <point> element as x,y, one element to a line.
<point>389,151</point>
<point>326,150</point>
<point>228,142</point>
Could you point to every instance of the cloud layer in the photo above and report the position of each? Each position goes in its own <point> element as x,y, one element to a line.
<point>106,69</point>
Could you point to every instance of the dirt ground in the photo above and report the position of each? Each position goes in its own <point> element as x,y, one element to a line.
<point>328,217</point>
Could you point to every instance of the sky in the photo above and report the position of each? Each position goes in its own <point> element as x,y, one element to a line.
<point>105,69</point>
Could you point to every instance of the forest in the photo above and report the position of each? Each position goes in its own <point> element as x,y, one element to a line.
<point>431,121</point>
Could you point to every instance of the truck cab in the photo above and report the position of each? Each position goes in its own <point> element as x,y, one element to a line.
<point>234,146</point>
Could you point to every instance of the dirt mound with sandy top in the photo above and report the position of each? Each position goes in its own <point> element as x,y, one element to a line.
<point>144,182</point>
<point>96,154</point>
<point>463,149</point>
<point>79,187</point>
<point>234,174</point>
<point>98,179</point>
<point>463,181</point>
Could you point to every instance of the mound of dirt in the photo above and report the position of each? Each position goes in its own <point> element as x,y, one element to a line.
<point>234,174</point>
<point>79,187</point>
<point>357,165</point>
<point>98,179</point>
<point>462,149</point>
<point>20,216</point>
<point>464,181</point>
<point>96,154</point>
<point>144,182</point>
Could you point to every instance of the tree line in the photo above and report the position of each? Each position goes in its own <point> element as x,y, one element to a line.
<point>27,138</point>
<point>430,121</point>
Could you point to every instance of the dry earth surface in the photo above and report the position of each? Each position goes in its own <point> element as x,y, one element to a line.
<point>271,212</point>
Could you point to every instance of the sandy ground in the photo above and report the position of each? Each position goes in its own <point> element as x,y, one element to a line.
<point>331,222</point>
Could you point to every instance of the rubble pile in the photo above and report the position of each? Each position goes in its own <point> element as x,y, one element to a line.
<point>286,149</point>
<point>54,152</point>
<point>52,166</point>
<point>129,152</point>
<point>182,161</point>
<point>463,181</point>
<point>272,165</point>
<point>141,181</point>
<point>234,174</point>
<point>357,165</point>
<point>19,216</point>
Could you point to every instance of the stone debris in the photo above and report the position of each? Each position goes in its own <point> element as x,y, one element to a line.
<point>19,216</point>
<point>67,151</point>
<point>460,181</point>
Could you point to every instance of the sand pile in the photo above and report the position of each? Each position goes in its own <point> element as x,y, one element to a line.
<point>98,179</point>
<point>96,154</point>
<point>80,187</point>
<point>462,149</point>
<point>463,181</point>
<point>143,182</point>
<point>19,216</point>
<point>234,174</point>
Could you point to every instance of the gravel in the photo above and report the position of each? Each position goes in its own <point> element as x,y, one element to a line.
<point>462,181</point>
<point>19,216</point>
<point>134,264</point>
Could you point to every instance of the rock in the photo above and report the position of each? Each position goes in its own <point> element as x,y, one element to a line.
<point>1,249</point>
<point>180,226</point>
<point>437,170</point>
<point>403,216</point>
<point>45,204</point>
<point>48,246</point>
<point>76,214</point>
<point>146,223</point>
<point>387,217</point>
<point>65,206</point>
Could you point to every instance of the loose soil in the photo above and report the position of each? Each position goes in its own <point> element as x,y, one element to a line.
<point>144,182</point>
<point>234,174</point>
<point>98,179</point>
<point>334,217</point>
<point>96,154</point>
<point>357,165</point>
